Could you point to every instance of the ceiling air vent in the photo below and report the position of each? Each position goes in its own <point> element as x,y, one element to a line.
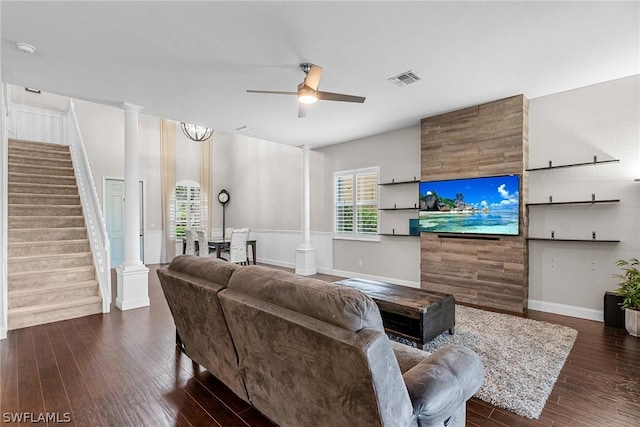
<point>405,78</point>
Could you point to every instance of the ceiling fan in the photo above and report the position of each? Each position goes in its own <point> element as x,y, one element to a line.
<point>308,92</point>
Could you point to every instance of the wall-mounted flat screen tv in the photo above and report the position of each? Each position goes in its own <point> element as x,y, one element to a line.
<point>486,205</point>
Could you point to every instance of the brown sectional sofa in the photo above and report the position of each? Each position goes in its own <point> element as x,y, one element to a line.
<point>309,353</point>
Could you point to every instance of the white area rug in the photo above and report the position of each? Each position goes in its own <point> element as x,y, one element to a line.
<point>522,357</point>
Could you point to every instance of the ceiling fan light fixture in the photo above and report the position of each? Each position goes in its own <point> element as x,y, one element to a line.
<point>196,132</point>
<point>306,95</point>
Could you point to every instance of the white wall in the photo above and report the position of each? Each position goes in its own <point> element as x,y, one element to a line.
<point>571,127</point>
<point>264,181</point>
<point>394,259</point>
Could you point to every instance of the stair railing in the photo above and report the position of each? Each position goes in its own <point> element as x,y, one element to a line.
<point>96,226</point>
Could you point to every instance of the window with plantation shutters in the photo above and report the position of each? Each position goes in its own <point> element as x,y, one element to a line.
<point>356,203</point>
<point>188,208</point>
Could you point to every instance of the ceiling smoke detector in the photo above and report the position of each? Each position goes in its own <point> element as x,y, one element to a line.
<point>25,47</point>
<point>405,79</point>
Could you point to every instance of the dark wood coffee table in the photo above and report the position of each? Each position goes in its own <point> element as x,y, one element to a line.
<point>411,313</point>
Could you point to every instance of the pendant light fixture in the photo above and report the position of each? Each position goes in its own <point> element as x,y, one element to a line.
<point>196,132</point>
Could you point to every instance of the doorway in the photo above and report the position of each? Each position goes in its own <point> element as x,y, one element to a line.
<point>114,217</point>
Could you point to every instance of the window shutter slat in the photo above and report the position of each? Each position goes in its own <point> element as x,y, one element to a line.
<point>356,202</point>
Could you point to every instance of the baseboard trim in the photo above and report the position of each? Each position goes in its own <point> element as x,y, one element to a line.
<point>132,304</point>
<point>567,310</point>
<point>276,263</point>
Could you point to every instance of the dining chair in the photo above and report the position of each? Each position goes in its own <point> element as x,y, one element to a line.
<point>238,246</point>
<point>190,239</point>
<point>203,244</point>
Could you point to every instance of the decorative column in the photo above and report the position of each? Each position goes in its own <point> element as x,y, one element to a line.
<point>133,276</point>
<point>305,253</point>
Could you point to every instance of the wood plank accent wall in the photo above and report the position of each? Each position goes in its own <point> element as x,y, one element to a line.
<point>484,140</point>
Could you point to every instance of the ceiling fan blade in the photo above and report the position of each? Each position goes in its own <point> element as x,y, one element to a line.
<point>272,92</point>
<point>302,110</point>
<point>328,96</point>
<point>313,77</point>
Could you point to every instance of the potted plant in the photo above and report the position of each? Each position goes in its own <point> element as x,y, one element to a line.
<point>629,290</point>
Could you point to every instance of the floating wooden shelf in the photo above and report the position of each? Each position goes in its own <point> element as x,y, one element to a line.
<point>400,235</point>
<point>572,240</point>
<point>572,165</point>
<point>575,202</point>
<point>415,181</point>
<point>398,209</point>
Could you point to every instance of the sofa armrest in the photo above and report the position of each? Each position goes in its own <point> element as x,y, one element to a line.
<point>442,383</point>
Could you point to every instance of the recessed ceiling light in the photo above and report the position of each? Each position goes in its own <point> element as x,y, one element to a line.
<point>25,47</point>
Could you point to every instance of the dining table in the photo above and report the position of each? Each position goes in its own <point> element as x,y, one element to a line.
<point>221,244</point>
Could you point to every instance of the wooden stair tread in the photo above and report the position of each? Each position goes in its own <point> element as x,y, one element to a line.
<point>40,308</point>
<point>26,204</point>
<point>41,242</point>
<point>21,142</point>
<point>47,229</point>
<point>10,163</point>
<point>52,186</point>
<point>40,217</point>
<point>37,156</point>
<point>40,195</point>
<point>30,174</point>
<point>22,274</point>
<point>45,257</point>
<point>17,293</point>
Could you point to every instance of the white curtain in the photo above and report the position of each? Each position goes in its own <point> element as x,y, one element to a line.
<point>168,178</point>
<point>205,186</point>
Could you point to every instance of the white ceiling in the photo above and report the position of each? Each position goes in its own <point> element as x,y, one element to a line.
<point>193,61</point>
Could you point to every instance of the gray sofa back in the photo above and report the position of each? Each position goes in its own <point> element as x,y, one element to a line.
<point>191,286</point>
<point>313,353</point>
<point>309,353</point>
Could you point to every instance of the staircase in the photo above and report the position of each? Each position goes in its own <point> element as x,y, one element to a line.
<point>50,269</point>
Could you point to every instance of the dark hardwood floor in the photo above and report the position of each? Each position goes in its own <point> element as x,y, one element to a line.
<point>123,369</point>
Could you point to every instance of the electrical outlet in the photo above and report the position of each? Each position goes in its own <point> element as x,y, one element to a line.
<point>360,263</point>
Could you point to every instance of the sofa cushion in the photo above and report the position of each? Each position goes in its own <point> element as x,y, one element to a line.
<point>337,305</point>
<point>191,285</point>
<point>210,269</point>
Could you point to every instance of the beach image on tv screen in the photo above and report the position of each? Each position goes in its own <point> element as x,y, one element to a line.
<point>488,205</point>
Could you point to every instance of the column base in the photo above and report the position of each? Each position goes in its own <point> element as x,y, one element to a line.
<point>133,287</point>
<point>306,260</point>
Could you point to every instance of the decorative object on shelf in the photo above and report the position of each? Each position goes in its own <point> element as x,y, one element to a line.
<point>629,290</point>
<point>414,227</point>
<point>196,132</point>
<point>223,197</point>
